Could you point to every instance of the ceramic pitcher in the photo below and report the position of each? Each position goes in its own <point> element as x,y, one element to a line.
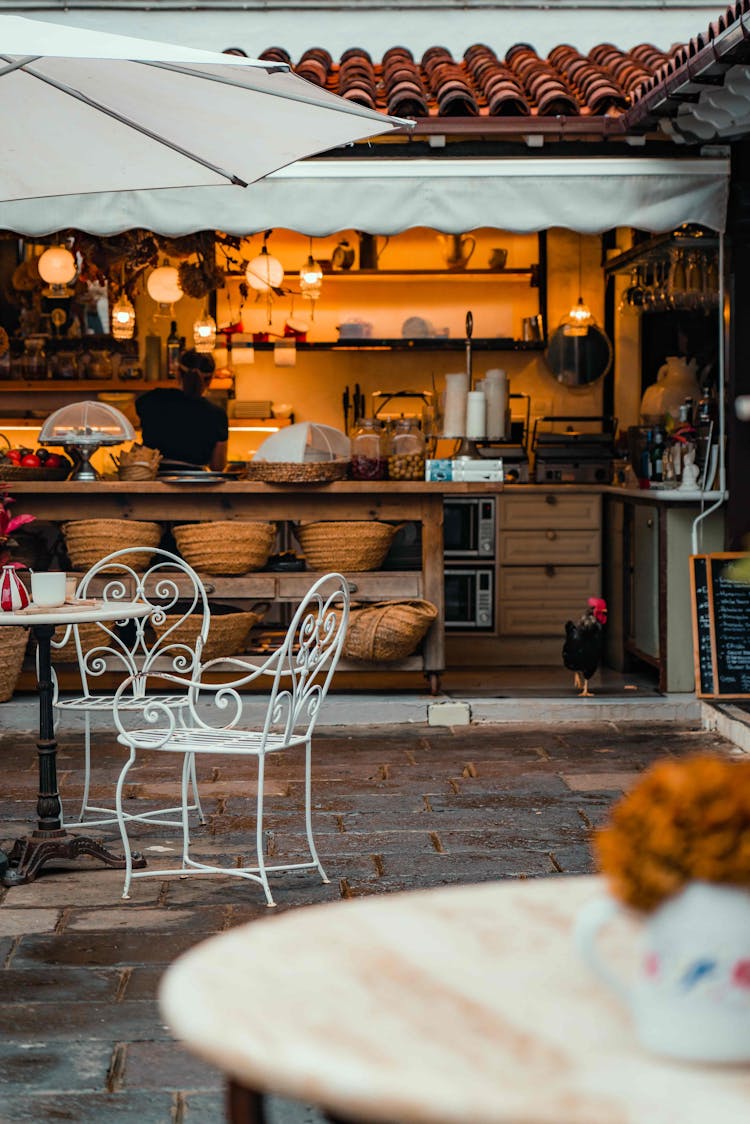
<point>675,381</point>
<point>690,998</point>
<point>457,249</point>
<point>13,595</point>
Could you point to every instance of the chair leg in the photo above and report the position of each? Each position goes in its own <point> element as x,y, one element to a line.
<point>308,811</point>
<point>196,795</point>
<point>86,765</point>
<point>188,774</point>
<point>121,824</point>
<point>259,832</point>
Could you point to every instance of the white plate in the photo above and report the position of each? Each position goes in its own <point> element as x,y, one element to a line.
<point>198,478</point>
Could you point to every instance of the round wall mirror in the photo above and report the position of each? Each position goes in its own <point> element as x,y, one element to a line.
<point>579,360</point>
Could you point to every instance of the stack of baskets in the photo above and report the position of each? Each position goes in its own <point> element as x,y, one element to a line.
<point>227,547</point>
<point>387,631</point>
<point>13,643</point>
<point>345,546</point>
<point>227,633</point>
<point>87,541</point>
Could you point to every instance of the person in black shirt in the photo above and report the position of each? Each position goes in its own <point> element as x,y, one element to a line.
<point>187,430</point>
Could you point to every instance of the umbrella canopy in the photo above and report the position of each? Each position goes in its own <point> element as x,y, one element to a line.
<point>87,112</point>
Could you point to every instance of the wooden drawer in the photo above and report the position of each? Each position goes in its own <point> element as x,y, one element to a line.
<point>555,547</point>
<point>543,510</point>
<point>550,585</point>
<point>260,586</point>
<point>376,585</point>
<point>529,618</point>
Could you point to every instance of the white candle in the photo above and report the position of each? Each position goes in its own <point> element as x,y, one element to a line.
<point>285,353</point>
<point>454,413</point>
<point>476,414</point>
<point>496,390</point>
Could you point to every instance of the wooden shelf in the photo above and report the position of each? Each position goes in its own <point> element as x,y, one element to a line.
<point>430,343</point>
<point>529,274</point>
<point>54,386</point>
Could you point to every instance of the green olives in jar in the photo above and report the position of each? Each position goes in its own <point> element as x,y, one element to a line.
<point>407,452</point>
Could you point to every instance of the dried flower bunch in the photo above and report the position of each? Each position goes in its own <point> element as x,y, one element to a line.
<point>684,821</point>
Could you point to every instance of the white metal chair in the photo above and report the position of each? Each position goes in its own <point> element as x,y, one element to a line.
<point>172,587</point>
<point>301,670</point>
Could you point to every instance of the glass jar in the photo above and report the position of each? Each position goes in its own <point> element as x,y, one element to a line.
<point>34,360</point>
<point>64,365</point>
<point>99,365</point>
<point>406,457</point>
<point>369,461</point>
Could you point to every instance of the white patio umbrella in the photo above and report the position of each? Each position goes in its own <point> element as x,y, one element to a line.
<point>85,112</point>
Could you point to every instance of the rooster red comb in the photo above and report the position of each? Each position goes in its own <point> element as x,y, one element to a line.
<point>599,605</point>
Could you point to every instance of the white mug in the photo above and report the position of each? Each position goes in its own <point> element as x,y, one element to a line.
<point>48,589</point>
<point>690,998</point>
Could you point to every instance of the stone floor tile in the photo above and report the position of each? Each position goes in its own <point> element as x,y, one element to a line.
<point>59,985</point>
<point>94,1108</point>
<point>80,1021</point>
<point>139,918</point>
<point>52,1065</point>
<point>166,1065</point>
<point>15,921</point>
<point>600,782</point>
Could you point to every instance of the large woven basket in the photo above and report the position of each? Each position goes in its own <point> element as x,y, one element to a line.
<point>89,540</point>
<point>91,636</point>
<point>229,547</point>
<point>292,472</point>
<point>21,472</point>
<point>345,546</point>
<point>387,630</point>
<point>13,643</point>
<point>227,633</point>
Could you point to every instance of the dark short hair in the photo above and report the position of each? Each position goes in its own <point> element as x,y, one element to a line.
<point>201,361</point>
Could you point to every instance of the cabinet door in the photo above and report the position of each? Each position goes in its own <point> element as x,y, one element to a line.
<point>645,579</point>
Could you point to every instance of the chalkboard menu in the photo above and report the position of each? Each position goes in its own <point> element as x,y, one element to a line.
<point>721,626</point>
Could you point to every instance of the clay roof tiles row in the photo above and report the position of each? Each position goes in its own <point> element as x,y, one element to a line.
<point>566,83</point>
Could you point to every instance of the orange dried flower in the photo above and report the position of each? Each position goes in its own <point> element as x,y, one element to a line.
<point>683,821</point>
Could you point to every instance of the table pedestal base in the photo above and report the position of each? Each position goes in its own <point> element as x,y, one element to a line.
<point>29,854</point>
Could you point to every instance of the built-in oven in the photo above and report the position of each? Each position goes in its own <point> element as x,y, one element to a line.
<point>469,526</point>
<point>470,598</point>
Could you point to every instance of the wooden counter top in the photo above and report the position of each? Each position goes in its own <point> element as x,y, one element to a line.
<point>371,489</point>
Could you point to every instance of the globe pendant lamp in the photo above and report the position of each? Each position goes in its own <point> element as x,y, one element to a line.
<point>311,277</point>
<point>57,267</point>
<point>163,284</point>
<point>123,318</point>
<point>579,319</point>
<point>204,333</point>
<point>264,272</point>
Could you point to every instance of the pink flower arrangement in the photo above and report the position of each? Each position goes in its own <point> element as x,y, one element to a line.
<point>8,524</point>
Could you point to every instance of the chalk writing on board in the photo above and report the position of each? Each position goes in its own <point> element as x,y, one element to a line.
<point>731,625</point>
<point>702,626</point>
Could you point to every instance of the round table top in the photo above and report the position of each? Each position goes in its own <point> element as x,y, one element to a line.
<point>70,613</point>
<point>443,1006</point>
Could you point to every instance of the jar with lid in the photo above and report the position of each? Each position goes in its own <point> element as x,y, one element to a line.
<point>406,456</point>
<point>64,365</point>
<point>369,460</point>
<point>99,365</point>
<point>34,360</point>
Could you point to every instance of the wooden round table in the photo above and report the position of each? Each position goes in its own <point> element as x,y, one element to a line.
<point>29,854</point>
<point>462,1005</point>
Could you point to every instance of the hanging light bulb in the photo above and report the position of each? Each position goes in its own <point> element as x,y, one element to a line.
<point>57,267</point>
<point>123,318</point>
<point>163,284</point>
<point>204,333</point>
<point>311,277</point>
<point>264,272</point>
<point>579,320</point>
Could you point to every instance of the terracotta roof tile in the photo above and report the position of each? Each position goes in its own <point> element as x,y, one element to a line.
<point>481,84</point>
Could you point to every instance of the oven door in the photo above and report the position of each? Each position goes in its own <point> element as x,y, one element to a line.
<point>469,527</point>
<point>470,598</point>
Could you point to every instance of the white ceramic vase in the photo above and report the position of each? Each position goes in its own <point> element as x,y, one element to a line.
<point>690,998</point>
<point>675,382</point>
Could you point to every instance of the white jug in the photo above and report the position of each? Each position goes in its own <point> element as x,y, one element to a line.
<point>675,381</point>
<point>690,997</point>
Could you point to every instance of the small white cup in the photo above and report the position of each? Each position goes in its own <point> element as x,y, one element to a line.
<point>48,589</point>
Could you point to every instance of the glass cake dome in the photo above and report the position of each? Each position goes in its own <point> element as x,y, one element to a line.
<point>82,428</point>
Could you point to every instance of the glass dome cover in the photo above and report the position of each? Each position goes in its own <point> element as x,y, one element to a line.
<point>86,423</point>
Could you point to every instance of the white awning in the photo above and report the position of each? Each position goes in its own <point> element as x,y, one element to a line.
<point>385,196</point>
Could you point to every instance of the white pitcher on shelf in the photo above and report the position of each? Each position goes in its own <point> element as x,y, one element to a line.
<point>676,380</point>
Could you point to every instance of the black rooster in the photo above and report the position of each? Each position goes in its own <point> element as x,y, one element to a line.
<point>582,650</point>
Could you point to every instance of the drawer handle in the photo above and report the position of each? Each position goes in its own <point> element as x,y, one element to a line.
<point>649,522</point>
<point>549,571</point>
<point>551,500</point>
<point>352,587</point>
<point>210,587</point>
<point>551,535</point>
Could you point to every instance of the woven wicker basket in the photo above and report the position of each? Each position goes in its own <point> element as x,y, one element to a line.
<point>291,472</point>
<point>387,630</point>
<point>89,540</point>
<point>227,633</point>
<point>13,643</point>
<point>229,547</point>
<point>92,636</point>
<point>345,546</point>
<point>19,472</point>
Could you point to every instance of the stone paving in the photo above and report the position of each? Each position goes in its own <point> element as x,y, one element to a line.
<point>395,808</point>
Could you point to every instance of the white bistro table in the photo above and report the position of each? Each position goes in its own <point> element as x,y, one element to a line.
<point>462,1005</point>
<point>50,841</point>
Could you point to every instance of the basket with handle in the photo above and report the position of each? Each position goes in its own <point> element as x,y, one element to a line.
<point>232,546</point>
<point>89,540</point>
<point>351,545</point>
<point>293,472</point>
<point>13,643</point>
<point>387,631</point>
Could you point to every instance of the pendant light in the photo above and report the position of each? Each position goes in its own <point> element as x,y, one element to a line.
<point>204,332</point>
<point>123,318</point>
<point>264,272</point>
<point>311,277</point>
<point>579,319</point>
<point>163,284</point>
<point>57,267</point>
